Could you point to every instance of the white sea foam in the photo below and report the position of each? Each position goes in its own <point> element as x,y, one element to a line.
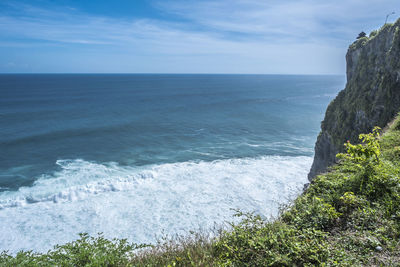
<point>140,203</point>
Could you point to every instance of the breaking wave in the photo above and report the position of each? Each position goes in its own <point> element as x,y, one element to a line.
<point>140,203</point>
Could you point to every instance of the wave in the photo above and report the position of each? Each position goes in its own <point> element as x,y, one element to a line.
<point>77,180</point>
<point>55,135</point>
<point>140,202</point>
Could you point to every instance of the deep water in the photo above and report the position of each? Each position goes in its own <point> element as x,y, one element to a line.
<point>137,155</point>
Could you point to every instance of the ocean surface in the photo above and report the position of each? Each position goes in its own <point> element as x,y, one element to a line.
<point>139,156</point>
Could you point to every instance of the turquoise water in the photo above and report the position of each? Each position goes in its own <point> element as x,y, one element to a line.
<point>131,155</point>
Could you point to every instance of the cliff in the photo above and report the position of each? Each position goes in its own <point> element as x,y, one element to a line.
<point>371,96</point>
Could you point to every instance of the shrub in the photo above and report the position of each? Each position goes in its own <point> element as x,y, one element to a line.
<point>255,242</point>
<point>312,212</point>
<point>366,153</point>
<point>86,251</point>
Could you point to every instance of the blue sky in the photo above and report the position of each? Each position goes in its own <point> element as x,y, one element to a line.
<point>177,36</point>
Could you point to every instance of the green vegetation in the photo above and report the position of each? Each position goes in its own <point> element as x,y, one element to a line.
<point>362,38</point>
<point>373,33</point>
<point>349,216</point>
<point>86,251</point>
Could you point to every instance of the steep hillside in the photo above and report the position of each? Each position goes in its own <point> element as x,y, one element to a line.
<point>371,97</point>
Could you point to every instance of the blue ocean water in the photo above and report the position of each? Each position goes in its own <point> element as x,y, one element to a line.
<point>133,155</point>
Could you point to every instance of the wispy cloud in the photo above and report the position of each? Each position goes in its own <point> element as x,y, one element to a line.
<point>216,36</point>
<point>74,27</point>
<point>291,19</point>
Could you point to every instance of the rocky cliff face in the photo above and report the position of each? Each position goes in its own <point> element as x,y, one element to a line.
<point>371,97</point>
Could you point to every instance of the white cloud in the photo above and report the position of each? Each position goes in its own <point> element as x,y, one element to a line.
<point>300,18</point>
<point>245,36</point>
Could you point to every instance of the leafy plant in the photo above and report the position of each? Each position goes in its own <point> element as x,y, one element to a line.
<point>256,242</point>
<point>365,153</point>
<point>86,251</point>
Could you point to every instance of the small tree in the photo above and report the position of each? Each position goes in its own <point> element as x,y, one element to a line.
<point>361,35</point>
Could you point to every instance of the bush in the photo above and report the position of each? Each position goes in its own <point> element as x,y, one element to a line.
<point>312,212</point>
<point>86,251</point>
<point>366,153</point>
<point>255,242</point>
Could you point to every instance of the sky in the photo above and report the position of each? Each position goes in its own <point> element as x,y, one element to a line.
<point>184,36</point>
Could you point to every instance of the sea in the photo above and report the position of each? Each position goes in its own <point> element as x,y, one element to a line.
<point>147,156</point>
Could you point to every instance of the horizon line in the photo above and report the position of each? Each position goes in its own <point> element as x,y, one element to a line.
<point>166,73</point>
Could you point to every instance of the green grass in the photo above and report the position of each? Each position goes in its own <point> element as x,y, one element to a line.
<point>349,216</point>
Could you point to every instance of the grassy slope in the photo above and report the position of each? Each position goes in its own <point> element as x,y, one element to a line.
<point>347,217</point>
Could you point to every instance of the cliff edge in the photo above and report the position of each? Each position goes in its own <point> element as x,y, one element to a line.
<point>371,96</point>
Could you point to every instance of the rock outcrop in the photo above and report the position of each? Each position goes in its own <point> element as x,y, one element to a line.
<point>371,97</point>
